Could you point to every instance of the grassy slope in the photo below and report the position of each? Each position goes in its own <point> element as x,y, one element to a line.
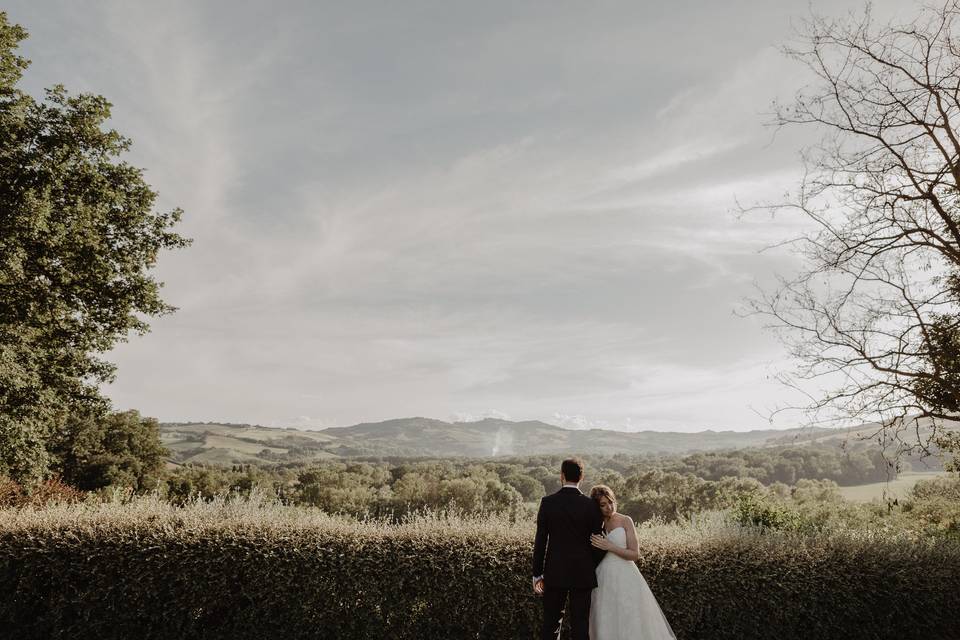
<point>898,488</point>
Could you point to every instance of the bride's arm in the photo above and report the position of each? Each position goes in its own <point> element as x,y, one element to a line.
<point>632,552</point>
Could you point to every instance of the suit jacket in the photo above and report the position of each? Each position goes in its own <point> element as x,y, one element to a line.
<point>562,552</point>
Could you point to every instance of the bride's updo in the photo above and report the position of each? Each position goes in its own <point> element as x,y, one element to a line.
<point>603,491</point>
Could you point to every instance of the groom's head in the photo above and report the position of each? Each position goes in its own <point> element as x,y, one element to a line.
<point>571,470</point>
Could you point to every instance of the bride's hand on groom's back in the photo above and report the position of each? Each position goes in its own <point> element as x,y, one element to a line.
<point>600,541</point>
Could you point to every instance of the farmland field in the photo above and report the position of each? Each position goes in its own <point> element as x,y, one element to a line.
<point>898,488</point>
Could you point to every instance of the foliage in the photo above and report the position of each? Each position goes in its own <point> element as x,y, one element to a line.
<point>847,465</point>
<point>671,487</point>
<point>248,569</point>
<point>765,514</point>
<point>950,441</point>
<point>930,511</point>
<point>78,237</point>
<point>120,449</point>
<point>189,483</point>
<point>933,508</point>
<point>49,492</point>
<point>361,488</point>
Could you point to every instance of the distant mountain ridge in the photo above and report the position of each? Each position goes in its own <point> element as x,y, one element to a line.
<point>427,437</point>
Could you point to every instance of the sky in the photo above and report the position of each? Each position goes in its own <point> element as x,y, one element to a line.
<point>452,209</point>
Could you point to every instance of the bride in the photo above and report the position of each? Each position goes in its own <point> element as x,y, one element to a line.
<point>623,607</point>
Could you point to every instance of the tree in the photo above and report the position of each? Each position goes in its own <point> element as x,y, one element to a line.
<point>530,489</point>
<point>78,237</point>
<point>874,316</point>
<point>191,482</point>
<point>120,449</point>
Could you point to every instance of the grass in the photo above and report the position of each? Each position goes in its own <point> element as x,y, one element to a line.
<point>262,511</point>
<point>898,488</point>
<point>256,512</point>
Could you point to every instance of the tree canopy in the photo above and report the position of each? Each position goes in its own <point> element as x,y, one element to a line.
<point>121,450</point>
<point>78,238</point>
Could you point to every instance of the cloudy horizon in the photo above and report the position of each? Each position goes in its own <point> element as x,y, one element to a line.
<point>451,210</point>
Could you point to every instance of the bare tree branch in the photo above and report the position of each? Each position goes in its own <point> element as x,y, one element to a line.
<point>876,312</point>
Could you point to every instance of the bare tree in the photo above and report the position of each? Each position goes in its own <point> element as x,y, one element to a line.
<point>874,316</point>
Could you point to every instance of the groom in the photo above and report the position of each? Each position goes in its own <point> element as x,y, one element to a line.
<point>564,561</point>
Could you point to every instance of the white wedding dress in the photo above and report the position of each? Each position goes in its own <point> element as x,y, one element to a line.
<point>623,607</point>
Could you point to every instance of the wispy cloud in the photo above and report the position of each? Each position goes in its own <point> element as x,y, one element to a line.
<point>442,210</point>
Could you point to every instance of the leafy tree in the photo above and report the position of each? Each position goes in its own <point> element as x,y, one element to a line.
<point>120,449</point>
<point>414,489</point>
<point>78,237</point>
<point>807,490</point>
<point>339,487</point>
<point>761,512</point>
<point>190,482</point>
<point>530,489</point>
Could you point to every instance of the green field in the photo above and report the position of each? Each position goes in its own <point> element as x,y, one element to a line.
<point>898,488</point>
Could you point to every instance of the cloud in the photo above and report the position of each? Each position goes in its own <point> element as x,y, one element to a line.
<point>578,422</point>
<point>303,422</point>
<point>406,211</point>
<point>464,416</point>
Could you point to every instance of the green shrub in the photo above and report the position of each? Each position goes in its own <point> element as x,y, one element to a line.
<point>243,569</point>
<point>755,511</point>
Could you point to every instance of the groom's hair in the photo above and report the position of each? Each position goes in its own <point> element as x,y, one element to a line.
<point>572,469</point>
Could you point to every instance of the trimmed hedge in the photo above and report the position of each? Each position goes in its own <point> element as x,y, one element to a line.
<point>161,575</point>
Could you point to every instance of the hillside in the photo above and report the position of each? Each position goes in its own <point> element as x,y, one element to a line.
<point>232,444</point>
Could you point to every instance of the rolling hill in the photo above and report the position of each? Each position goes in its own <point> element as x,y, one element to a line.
<point>424,437</point>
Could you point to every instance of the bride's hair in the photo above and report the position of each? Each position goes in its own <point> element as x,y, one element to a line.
<point>603,491</point>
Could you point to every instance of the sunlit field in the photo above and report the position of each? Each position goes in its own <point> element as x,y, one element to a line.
<point>895,489</point>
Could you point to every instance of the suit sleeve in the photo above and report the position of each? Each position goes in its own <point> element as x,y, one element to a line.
<point>597,527</point>
<point>540,542</point>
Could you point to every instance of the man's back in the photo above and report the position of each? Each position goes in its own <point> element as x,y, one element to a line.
<point>562,551</point>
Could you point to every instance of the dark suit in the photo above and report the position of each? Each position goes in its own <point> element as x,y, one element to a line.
<point>563,555</point>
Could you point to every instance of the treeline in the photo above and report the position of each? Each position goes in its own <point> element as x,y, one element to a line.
<point>647,487</point>
<point>859,465</point>
<point>367,489</point>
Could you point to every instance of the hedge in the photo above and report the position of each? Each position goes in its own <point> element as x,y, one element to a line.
<point>162,573</point>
